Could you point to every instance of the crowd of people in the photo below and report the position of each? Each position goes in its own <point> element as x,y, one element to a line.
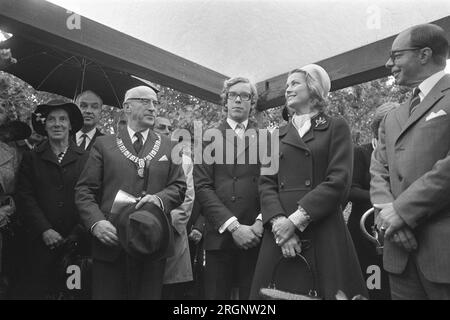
<point>141,225</point>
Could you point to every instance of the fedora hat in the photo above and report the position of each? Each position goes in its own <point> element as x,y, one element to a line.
<point>39,116</point>
<point>144,233</point>
<point>14,130</point>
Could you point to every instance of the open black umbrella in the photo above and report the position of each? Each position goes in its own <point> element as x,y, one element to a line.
<point>52,70</point>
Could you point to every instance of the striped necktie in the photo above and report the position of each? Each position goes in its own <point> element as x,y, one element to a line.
<point>240,130</point>
<point>415,100</point>
<point>138,143</point>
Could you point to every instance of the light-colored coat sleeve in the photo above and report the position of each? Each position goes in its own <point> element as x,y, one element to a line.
<point>180,216</point>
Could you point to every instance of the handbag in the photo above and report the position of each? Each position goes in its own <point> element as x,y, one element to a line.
<point>272,293</point>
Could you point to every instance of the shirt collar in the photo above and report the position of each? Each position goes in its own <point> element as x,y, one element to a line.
<point>428,84</point>
<point>233,123</point>
<point>90,134</point>
<point>144,133</point>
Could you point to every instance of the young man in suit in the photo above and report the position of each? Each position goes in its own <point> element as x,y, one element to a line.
<point>410,169</point>
<point>114,164</point>
<point>90,105</point>
<point>228,194</point>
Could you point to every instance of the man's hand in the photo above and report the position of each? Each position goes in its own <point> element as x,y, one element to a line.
<point>405,238</point>
<point>291,247</point>
<point>283,229</point>
<point>245,238</point>
<point>5,213</point>
<point>149,198</point>
<point>387,220</point>
<point>106,233</point>
<point>257,228</point>
<point>195,236</point>
<point>52,239</point>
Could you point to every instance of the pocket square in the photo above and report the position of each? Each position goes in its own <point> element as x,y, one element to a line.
<point>433,115</point>
<point>163,158</point>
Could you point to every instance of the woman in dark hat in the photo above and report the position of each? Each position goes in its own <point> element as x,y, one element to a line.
<point>302,204</point>
<point>45,194</point>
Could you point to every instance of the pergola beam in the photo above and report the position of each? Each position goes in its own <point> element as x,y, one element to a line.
<point>46,23</point>
<point>347,69</point>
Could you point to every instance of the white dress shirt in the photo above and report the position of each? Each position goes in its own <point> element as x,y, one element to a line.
<point>133,138</point>
<point>90,136</point>
<point>428,84</point>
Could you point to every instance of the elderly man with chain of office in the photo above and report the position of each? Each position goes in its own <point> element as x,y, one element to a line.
<point>411,169</point>
<point>123,162</point>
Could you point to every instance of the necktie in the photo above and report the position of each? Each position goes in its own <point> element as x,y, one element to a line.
<point>138,143</point>
<point>240,130</point>
<point>83,143</point>
<point>415,100</point>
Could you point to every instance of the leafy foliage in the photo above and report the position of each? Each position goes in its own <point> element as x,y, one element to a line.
<point>356,104</point>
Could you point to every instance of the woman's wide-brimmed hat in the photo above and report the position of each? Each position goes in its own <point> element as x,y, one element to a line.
<point>39,116</point>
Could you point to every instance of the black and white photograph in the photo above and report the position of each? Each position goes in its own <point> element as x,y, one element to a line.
<point>222,156</point>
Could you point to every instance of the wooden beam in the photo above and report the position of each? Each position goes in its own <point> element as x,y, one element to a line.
<point>347,69</point>
<point>46,23</point>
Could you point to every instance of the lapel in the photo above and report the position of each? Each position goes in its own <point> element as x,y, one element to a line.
<point>73,154</point>
<point>123,134</point>
<point>97,133</point>
<point>45,152</point>
<point>148,145</point>
<point>289,135</point>
<point>402,113</point>
<point>430,100</point>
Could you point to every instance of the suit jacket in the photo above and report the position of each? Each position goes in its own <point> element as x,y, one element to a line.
<point>178,266</point>
<point>411,169</point>
<point>97,134</point>
<point>314,172</point>
<point>107,171</point>
<point>227,190</point>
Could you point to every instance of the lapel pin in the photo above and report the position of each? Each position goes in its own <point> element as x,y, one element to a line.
<point>320,121</point>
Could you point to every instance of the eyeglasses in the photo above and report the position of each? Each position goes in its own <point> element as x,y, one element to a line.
<point>244,96</point>
<point>146,102</point>
<point>395,54</point>
<point>164,127</point>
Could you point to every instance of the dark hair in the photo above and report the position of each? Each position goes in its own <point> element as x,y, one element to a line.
<point>77,99</point>
<point>433,37</point>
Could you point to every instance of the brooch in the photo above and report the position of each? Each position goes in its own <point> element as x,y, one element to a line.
<point>320,121</point>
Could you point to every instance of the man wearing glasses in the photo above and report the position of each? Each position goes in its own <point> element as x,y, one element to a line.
<point>163,126</point>
<point>410,169</point>
<point>228,194</point>
<point>115,164</point>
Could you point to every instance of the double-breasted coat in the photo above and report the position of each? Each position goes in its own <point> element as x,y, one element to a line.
<point>45,199</point>
<point>107,171</point>
<point>314,172</point>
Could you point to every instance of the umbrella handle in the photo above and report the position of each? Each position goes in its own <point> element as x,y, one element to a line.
<point>375,237</point>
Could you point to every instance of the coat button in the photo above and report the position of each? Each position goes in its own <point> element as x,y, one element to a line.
<point>308,183</point>
<point>282,185</point>
<point>400,178</point>
<point>307,153</point>
<point>235,178</point>
<point>233,198</point>
<point>60,204</point>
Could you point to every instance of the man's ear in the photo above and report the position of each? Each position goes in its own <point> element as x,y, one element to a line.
<point>426,54</point>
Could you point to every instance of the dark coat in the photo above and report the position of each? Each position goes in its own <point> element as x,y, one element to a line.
<point>107,171</point>
<point>45,190</point>
<point>360,198</point>
<point>227,190</point>
<point>314,172</point>
<point>45,199</point>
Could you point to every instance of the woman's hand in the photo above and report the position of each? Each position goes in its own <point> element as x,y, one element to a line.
<point>52,239</point>
<point>291,247</point>
<point>283,229</point>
